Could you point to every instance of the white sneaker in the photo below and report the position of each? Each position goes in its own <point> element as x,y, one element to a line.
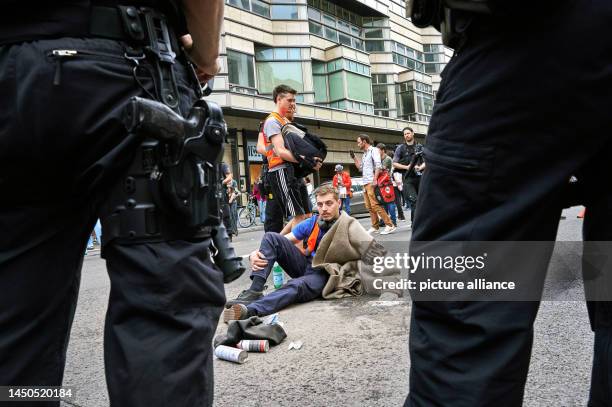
<point>373,231</point>
<point>388,229</point>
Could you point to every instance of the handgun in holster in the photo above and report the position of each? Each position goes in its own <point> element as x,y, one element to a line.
<point>171,190</point>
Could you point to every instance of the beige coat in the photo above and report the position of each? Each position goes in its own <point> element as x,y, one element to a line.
<point>340,253</point>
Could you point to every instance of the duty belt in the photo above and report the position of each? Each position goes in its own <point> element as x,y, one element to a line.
<point>146,28</point>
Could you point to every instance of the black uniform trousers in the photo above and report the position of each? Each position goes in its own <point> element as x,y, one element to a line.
<point>411,190</point>
<point>514,119</point>
<point>62,146</point>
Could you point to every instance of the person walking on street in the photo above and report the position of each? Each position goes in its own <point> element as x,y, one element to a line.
<point>232,199</point>
<point>342,182</point>
<point>387,165</point>
<point>260,196</point>
<point>370,167</point>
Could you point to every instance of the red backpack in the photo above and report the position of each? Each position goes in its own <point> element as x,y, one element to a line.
<point>384,191</point>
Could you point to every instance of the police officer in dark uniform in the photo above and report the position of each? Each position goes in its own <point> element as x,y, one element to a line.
<point>514,118</point>
<point>67,72</point>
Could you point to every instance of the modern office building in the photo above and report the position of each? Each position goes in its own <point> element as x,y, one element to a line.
<point>360,66</point>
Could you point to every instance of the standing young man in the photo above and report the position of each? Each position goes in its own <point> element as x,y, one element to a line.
<point>291,192</point>
<point>402,159</point>
<point>370,166</point>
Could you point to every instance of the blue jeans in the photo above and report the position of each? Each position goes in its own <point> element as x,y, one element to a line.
<point>391,210</point>
<point>262,211</point>
<point>345,204</point>
<point>306,282</point>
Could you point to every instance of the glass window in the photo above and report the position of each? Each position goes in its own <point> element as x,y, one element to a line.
<point>344,39</point>
<point>336,86</point>
<point>424,103</point>
<point>406,103</point>
<point>318,67</point>
<point>271,74</point>
<point>352,66</point>
<point>314,14</point>
<point>264,54</point>
<point>331,34</point>
<point>329,20</point>
<point>374,46</point>
<point>280,54</point>
<point>294,53</point>
<point>373,33</point>
<point>357,43</point>
<point>261,8</point>
<point>381,99</point>
<point>342,26</point>
<point>356,31</point>
<point>359,87</point>
<point>284,12</point>
<point>315,28</point>
<point>345,14</point>
<point>240,69</point>
<point>240,3</point>
<point>320,88</point>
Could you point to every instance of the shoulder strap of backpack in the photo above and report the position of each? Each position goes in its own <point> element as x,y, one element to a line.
<point>278,118</point>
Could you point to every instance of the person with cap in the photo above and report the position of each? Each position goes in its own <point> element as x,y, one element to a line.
<point>342,182</point>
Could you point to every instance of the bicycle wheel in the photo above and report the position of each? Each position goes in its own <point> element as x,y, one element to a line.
<point>245,217</point>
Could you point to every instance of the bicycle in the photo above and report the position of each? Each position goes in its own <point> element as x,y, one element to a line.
<point>247,215</point>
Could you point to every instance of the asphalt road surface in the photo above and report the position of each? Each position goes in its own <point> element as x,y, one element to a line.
<point>354,352</point>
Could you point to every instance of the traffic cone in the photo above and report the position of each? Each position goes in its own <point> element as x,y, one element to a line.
<point>581,214</point>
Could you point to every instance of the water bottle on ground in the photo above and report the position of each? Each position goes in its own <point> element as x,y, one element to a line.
<point>277,276</point>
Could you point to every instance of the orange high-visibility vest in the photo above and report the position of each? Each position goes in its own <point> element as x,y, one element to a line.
<point>273,159</point>
<point>311,242</point>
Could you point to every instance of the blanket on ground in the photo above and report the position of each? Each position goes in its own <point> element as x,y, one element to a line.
<point>341,252</point>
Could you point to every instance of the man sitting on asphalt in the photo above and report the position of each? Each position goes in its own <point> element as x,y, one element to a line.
<point>307,283</point>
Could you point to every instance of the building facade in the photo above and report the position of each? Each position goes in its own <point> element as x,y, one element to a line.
<point>359,66</point>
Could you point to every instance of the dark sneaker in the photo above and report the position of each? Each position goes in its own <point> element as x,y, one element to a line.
<point>235,312</point>
<point>245,297</point>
